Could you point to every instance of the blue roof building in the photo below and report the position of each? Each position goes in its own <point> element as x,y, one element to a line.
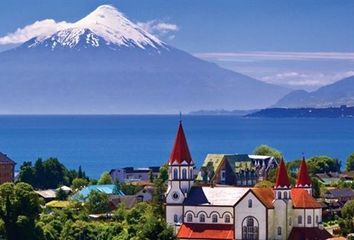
<point>108,189</point>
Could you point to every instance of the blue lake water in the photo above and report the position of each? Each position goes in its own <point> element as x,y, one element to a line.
<point>100,143</point>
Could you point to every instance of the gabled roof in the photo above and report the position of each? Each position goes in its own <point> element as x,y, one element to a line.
<point>180,151</point>
<point>303,179</point>
<point>206,231</point>
<point>4,159</point>
<point>302,199</point>
<point>312,233</point>
<point>265,195</point>
<point>282,176</point>
<point>340,192</point>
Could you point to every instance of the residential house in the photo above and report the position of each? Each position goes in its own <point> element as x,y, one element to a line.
<point>128,174</point>
<point>7,169</point>
<point>235,169</point>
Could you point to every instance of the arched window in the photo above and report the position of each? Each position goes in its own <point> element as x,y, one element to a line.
<point>250,228</point>
<point>279,195</point>
<point>309,219</point>
<point>285,195</point>
<point>249,203</point>
<point>299,219</point>
<point>227,218</point>
<point>279,231</point>
<point>175,173</point>
<point>175,218</point>
<point>317,219</point>
<point>214,218</point>
<point>290,221</point>
<point>202,218</point>
<point>191,174</point>
<point>184,173</point>
<point>189,217</point>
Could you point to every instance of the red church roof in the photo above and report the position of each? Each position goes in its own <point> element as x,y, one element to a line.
<point>282,176</point>
<point>303,179</point>
<point>302,199</point>
<point>180,151</point>
<point>206,231</point>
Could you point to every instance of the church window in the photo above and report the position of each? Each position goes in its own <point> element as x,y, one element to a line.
<point>189,217</point>
<point>175,173</point>
<point>249,203</point>
<point>175,195</point>
<point>299,219</point>
<point>191,174</point>
<point>184,173</point>
<point>250,229</point>
<point>279,230</point>
<point>227,218</point>
<point>309,219</point>
<point>317,219</point>
<point>290,221</point>
<point>223,175</point>
<point>202,218</point>
<point>285,195</point>
<point>214,218</point>
<point>175,218</point>
<point>279,195</point>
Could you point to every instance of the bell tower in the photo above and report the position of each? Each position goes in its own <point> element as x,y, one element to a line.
<point>180,177</point>
<point>303,179</point>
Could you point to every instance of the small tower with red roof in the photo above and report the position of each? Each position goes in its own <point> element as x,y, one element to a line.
<point>180,177</point>
<point>282,185</point>
<point>303,179</point>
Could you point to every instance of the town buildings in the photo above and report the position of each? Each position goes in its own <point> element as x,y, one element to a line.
<point>229,212</point>
<point>129,174</point>
<point>7,168</point>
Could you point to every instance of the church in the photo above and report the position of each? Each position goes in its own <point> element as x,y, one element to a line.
<point>220,211</point>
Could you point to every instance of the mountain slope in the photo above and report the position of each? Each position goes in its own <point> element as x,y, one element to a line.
<point>333,95</point>
<point>104,63</point>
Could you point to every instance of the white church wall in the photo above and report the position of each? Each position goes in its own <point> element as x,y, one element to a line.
<point>220,211</point>
<point>171,211</point>
<point>258,211</point>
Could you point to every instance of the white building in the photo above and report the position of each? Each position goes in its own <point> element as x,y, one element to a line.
<point>229,212</point>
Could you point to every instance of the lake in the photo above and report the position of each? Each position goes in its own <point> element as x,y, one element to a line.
<point>100,143</point>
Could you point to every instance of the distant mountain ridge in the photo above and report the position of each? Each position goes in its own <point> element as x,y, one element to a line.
<point>105,63</point>
<point>333,95</point>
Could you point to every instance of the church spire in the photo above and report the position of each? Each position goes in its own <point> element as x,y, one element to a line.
<point>303,179</point>
<point>180,151</point>
<point>282,176</point>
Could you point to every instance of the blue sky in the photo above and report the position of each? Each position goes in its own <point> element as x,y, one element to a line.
<point>234,34</point>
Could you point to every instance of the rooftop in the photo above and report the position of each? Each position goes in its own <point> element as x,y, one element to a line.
<point>206,231</point>
<point>4,159</point>
<point>220,195</point>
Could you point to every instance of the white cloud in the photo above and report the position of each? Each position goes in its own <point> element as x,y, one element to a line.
<point>309,80</point>
<point>38,28</point>
<point>255,56</point>
<point>50,26</point>
<point>159,28</point>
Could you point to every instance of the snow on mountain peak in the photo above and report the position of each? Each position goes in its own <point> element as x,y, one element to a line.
<point>105,25</point>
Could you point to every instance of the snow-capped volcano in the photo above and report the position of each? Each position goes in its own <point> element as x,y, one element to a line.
<point>105,63</point>
<point>105,26</point>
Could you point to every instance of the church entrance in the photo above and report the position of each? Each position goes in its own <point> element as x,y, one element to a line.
<point>250,228</point>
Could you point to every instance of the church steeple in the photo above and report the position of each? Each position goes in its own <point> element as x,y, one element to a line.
<point>303,178</point>
<point>282,176</point>
<point>282,185</point>
<point>180,177</point>
<point>180,152</point>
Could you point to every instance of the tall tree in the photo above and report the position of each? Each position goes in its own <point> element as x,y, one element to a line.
<point>19,208</point>
<point>350,163</point>
<point>268,151</point>
<point>105,178</point>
